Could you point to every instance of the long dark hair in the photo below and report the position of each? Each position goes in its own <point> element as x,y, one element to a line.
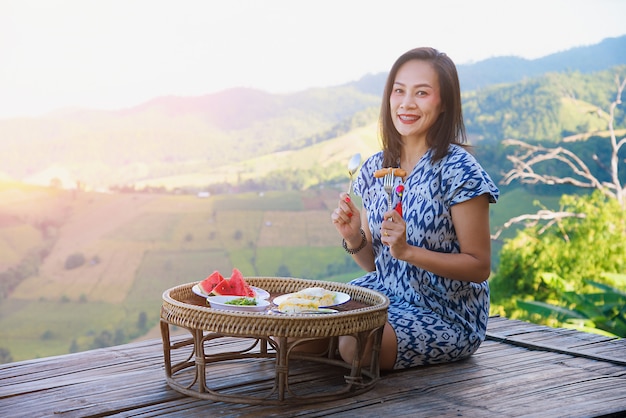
<point>447,129</point>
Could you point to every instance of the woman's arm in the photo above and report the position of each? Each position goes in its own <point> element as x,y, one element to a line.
<point>365,257</point>
<point>471,223</point>
<point>349,222</point>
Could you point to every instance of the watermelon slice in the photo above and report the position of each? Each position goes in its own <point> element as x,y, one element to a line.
<point>223,289</point>
<point>234,286</point>
<point>239,285</point>
<point>207,285</point>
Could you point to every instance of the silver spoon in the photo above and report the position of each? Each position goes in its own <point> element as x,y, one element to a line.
<point>353,165</point>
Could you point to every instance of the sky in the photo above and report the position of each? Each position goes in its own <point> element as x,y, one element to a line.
<point>114,54</point>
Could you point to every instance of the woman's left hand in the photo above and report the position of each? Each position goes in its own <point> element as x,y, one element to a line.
<point>393,233</point>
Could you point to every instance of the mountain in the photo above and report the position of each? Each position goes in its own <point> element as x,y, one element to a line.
<point>172,135</point>
<point>499,70</point>
<point>211,138</point>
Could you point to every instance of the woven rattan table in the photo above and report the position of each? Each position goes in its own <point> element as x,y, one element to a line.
<point>198,367</point>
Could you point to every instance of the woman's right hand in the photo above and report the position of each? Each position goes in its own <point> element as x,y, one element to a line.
<point>347,219</point>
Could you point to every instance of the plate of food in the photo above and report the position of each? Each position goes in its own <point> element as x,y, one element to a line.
<point>235,285</point>
<point>258,292</point>
<point>238,303</point>
<point>309,300</point>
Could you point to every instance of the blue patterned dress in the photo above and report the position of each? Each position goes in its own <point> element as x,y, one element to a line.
<point>436,319</point>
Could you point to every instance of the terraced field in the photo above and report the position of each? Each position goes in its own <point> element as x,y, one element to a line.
<point>137,245</point>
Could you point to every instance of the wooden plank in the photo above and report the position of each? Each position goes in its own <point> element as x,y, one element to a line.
<point>560,340</point>
<point>501,379</point>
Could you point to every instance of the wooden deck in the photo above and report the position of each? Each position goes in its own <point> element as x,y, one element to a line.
<point>521,370</point>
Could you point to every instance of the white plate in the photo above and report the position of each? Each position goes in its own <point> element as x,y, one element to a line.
<point>219,302</point>
<point>259,293</point>
<point>340,298</point>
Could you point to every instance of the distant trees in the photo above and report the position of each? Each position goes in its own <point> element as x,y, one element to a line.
<point>120,335</point>
<point>142,321</point>
<point>28,266</point>
<point>74,261</point>
<point>544,108</point>
<point>283,271</point>
<point>5,356</point>
<point>104,339</point>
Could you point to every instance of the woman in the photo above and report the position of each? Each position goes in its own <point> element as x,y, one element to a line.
<point>432,257</point>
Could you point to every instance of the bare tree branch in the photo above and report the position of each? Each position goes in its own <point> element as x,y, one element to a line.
<point>529,157</point>
<point>620,190</point>
<point>523,166</point>
<point>533,219</point>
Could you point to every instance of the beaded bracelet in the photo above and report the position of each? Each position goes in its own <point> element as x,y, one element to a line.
<point>359,248</point>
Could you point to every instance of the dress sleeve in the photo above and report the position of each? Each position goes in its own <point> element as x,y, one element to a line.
<point>467,179</point>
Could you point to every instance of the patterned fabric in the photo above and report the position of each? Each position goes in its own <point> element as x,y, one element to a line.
<point>436,319</point>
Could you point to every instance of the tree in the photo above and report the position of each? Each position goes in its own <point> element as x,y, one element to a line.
<point>568,273</point>
<point>531,156</point>
<point>74,261</point>
<point>283,271</point>
<point>569,251</point>
<point>5,356</point>
<point>574,248</point>
<point>105,339</point>
<point>142,321</point>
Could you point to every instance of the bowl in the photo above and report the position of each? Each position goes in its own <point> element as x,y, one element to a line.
<point>220,302</point>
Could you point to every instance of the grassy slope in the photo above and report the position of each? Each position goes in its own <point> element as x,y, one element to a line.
<point>325,154</point>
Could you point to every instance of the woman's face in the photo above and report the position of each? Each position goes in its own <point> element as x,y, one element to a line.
<point>415,101</point>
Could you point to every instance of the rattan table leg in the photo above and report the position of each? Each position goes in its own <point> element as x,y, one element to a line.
<point>377,338</point>
<point>282,366</point>
<point>200,360</point>
<point>167,347</point>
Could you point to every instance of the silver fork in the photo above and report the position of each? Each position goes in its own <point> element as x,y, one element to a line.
<point>388,185</point>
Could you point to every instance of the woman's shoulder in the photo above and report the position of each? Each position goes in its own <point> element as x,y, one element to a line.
<point>457,150</point>
<point>461,166</point>
<point>459,154</point>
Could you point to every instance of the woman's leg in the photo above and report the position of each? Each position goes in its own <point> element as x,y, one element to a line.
<point>388,349</point>
<point>315,346</point>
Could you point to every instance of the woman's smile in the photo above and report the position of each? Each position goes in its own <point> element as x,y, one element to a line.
<point>408,119</point>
